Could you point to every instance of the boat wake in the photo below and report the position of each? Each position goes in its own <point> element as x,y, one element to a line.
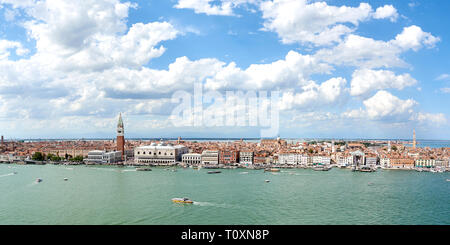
<point>106,169</point>
<point>6,175</point>
<point>210,204</point>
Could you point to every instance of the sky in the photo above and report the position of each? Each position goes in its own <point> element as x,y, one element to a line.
<point>343,69</point>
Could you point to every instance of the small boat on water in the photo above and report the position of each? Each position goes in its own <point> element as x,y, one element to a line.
<point>143,169</point>
<point>214,172</point>
<point>366,169</point>
<point>182,200</point>
<point>174,170</point>
<point>448,180</point>
<point>321,168</point>
<point>65,179</point>
<point>271,170</point>
<point>267,181</point>
<point>38,180</point>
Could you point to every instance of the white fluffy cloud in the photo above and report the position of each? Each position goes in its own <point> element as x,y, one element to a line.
<point>366,80</point>
<point>386,11</point>
<point>294,70</point>
<point>314,95</point>
<point>318,23</point>
<point>384,106</point>
<point>224,7</point>
<point>92,35</point>
<point>434,119</point>
<point>6,46</point>
<point>369,53</point>
<point>413,37</point>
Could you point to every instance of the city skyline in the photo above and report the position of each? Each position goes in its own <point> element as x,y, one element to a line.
<point>359,69</point>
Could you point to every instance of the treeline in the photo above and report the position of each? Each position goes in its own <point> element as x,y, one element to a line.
<point>39,156</point>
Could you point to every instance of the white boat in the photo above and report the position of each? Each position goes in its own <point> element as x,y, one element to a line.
<point>267,181</point>
<point>38,180</point>
<point>65,179</point>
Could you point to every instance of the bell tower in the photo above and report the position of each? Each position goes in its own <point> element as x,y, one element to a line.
<point>120,136</point>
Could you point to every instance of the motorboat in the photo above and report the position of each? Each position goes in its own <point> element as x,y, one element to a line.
<point>214,172</point>
<point>182,200</point>
<point>271,170</point>
<point>38,180</point>
<point>65,179</point>
<point>366,169</point>
<point>267,181</point>
<point>143,169</point>
<point>321,168</point>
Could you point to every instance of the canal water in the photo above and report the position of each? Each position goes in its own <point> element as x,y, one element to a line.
<point>121,195</point>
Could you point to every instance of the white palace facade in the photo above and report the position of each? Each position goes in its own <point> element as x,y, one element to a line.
<point>159,154</point>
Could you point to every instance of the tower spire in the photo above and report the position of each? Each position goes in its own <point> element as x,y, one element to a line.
<point>120,136</point>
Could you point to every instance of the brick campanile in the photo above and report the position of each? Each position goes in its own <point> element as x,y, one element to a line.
<point>120,136</point>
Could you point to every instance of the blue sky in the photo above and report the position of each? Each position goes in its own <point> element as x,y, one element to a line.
<point>344,69</point>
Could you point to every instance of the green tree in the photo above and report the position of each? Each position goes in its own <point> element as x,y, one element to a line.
<point>77,159</point>
<point>55,158</point>
<point>49,156</point>
<point>394,148</point>
<point>38,156</point>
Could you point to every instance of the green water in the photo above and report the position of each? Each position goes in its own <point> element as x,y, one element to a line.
<point>120,195</point>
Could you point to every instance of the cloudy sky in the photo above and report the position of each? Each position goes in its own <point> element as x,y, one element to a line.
<point>344,69</point>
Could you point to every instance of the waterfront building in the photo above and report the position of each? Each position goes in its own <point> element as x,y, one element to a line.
<point>246,157</point>
<point>345,160</point>
<point>441,163</point>
<point>358,158</point>
<point>11,158</point>
<point>228,156</point>
<point>402,162</point>
<point>306,160</point>
<point>321,160</point>
<point>191,159</point>
<point>159,154</point>
<point>425,163</point>
<point>371,159</point>
<point>289,158</point>
<point>120,136</point>
<point>210,157</point>
<point>103,157</point>
<point>385,161</point>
